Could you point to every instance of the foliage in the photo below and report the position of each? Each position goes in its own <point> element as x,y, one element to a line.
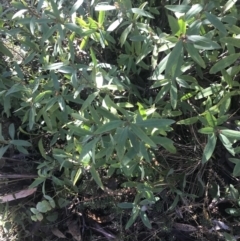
<point>104,87</point>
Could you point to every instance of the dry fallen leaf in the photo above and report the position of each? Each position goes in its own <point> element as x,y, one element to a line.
<point>74,230</point>
<point>184,227</point>
<point>58,233</point>
<point>20,194</point>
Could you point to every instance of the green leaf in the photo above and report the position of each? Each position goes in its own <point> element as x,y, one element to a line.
<point>101,18</point>
<point>75,28</point>
<point>144,153</point>
<point>20,143</point>
<point>55,9</point>
<point>41,149</point>
<point>37,182</point>
<point>229,4</point>
<point>54,66</point>
<point>109,126</point>
<point>212,121</point>
<point>173,95</point>
<point>158,123</point>
<point>79,131</point>
<point>160,68</point>
<point>88,148</point>
<point>209,148</point>
<point>48,33</point>
<point>11,131</point>
<point>77,176</point>
<point>193,11</point>
<point>5,51</point>
<point>137,38</point>
<point>50,200</point>
<point>224,63</point>
<point>89,100</point>
<point>201,42</point>
<point>188,121</point>
<point>165,143</point>
<point>47,120</point>
<point>216,22</point>
<point>231,41</point>
<point>19,5</point>
<point>63,202</point>
<point>23,150</point>
<point>227,143</point>
<point>141,12</point>
<point>164,90</point>
<point>173,23</point>
<point>231,134</point>
<point>3,149</point>
<point>125,34</point>
<point>174,204</point>
<point>145,220</point>
<point>31,120</point>
<point>142,135</point>
<point>125,205</point>
<point>19,13</point>
<point>34,210</point>
<point>41,95</point>
<point>234,194</point>
<point>104,7</point>
<point>39,217</point>
<point>233,211</point>
<point>182,27</point>
<point>43,206</point>
<point>227,236</point>
<point>213,89</point>
<point>96,177</point>
<point>93,56</point>
<point>178,8</point>
<point>121,137</point>
<point>61,103</point>
<point>236,170</point>
<point>133,218</point>
<point>52,217</point>
<point>29,57</point>
<point>194,54</point>
<point>114,24</point>
<point>15,88</point>
<point>107,114</point>
<point>174,59</point>
<point>76,6</point>
<point>207,130</point>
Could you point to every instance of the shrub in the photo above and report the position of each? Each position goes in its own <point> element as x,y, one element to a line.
<point>106,89</point>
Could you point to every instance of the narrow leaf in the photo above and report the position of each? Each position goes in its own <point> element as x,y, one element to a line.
<point>209,148</point>
<point>145,220</point>
<point>206,130</point>
<point>178,8</point>
<point>231,41</point>
<point>158,123</point>
<point>108,126</point>
<point>5,51</point>
<point>20,143</point>
<point>231,134</point>
<point>173,59</point>
<point>125,34</point>
<point>224,63</point>
<point>96,177</point>
<point>142,135</point>
<point>76,6</point>
<point>216,22</point>
<point>194,54</point>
